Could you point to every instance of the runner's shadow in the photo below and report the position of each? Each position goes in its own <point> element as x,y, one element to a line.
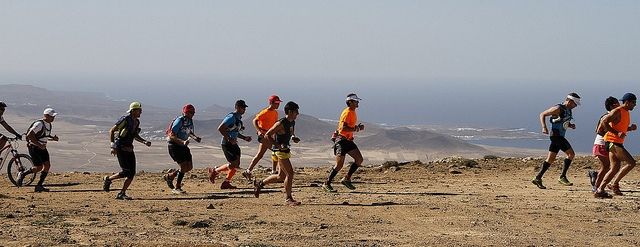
<point>239,192</point>
<point>208,197</point>
<point>82,190</point>
<point>406,193</point>
<point>374,204</point>
<point>55,185</point>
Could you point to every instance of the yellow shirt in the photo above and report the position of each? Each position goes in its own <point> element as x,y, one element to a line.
<point>349,117</point>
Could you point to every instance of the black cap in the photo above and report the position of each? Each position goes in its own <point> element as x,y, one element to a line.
<point>241,103</point>
<point>628,96</point>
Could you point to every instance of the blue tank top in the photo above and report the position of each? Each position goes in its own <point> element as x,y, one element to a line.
<point>557,128</point>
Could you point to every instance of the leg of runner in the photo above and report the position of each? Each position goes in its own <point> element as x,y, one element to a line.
<point>604,168</point>
<point>184,168</point>
<point>626,157</point>
<point>565,167</point>
<point>357,162</point>
<point>287,169</point>
<point>263,147</point>
<point>614,165</point>
<point>333,173</point>
<point>231,171</point>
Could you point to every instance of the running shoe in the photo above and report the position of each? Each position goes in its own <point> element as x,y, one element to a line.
<point>615,188</point>
<point>538,182</point>
<point>123,196</point>
<point>226,185</point>
<point>602,195</point>
<point>247,174</point>
<point>212,174</point>
<point>178,191</point>
<point>106,186</point>
<point>347,183</point>
<point>20,179</point>
<point>291,202</point>
<point>257,187</point>
<point>328,188</point>
<point>565,181</point>
<point>40,188</point>
<point>169,181</point>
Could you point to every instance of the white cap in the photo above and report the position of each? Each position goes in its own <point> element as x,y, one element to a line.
<point>574,99</point>
<point>50,112</point>
<point>353,96</point>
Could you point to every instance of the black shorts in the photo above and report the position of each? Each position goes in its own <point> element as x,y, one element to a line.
<point>559,143</point>
<point>343,147</point>
<point>231,152</point>
<point>127,161</point>
<point>609,145</point>
<point>180,153</point>
<point>38,156</point>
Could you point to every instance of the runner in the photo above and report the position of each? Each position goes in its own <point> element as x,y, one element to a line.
<point>178,135</point>
<point>37,136</point>
<point>3,139</point>
<point>617,125</point>
<point>600,149</point>
<point>343,144</point>
<point>122,135</point>
<point>284,132</point>
<point>560,117</point>
<point>263,122</point>
<point>230,129</point>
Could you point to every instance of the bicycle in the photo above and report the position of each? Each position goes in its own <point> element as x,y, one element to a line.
<point>18,162</point>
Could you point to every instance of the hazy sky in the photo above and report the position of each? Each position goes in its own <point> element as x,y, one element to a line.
<point>410,60</point>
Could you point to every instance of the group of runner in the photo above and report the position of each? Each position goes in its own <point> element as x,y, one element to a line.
<point>608,148</point>
<point>273,133</point>
<point>276,134</point>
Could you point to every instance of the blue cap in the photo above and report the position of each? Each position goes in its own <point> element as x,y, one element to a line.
<point>628,96</point>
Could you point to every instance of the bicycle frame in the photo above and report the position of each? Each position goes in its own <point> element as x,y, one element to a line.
<point>12,150</point>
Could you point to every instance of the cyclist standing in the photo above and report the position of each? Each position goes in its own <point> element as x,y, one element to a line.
<point>37,136</point>
<point>122,135</point>
<point>3,139</point>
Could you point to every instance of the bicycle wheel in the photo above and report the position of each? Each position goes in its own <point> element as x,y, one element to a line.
<point>20,163</point>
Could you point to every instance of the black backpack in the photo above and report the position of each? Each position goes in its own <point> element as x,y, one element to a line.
<point>42,132</point>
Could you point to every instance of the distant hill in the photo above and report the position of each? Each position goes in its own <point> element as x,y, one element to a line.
<point>86,108</point>
<point>405,138</point>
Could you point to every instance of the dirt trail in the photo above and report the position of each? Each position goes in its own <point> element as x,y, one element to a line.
<point>490,202</point>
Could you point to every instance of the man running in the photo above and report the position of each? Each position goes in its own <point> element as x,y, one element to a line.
<point>122,135</point>
<point>37,136</point>
<point>284,132</point>
<point>263,122</point>
<point>3,139</point>
<point>344,144</point>
<point>600,149</point>
<point>617,124</point>
<point>230,129</point>
<point>560,117</point>
<point>178,140</point>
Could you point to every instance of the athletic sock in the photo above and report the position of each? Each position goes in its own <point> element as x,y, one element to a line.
<point>545,166</point>
<point>565,168</point>
<point>231,173</point>
<point>180,176</point>
<point>332,175</point>
<point>352,169</point>
<point>43,175</point>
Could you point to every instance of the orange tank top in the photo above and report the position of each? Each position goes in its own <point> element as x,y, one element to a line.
<point>622,126</point>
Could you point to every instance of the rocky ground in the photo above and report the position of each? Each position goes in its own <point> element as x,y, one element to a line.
<point>452,202</point>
